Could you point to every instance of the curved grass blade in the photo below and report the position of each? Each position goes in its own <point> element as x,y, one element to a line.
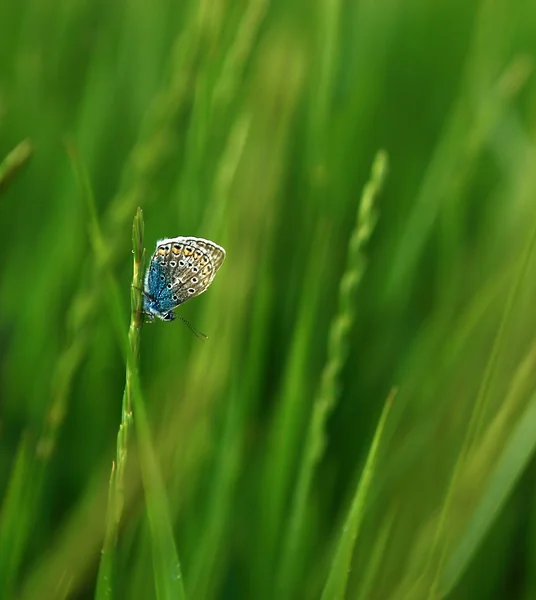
<point>475,422</point>
<point>338,347</point>
<point>335,587</point>
<point>515,457</point>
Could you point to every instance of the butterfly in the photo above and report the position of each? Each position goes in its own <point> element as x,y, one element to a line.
<point>180,268</point>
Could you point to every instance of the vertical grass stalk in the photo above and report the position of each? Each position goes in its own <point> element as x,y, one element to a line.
<point>116,492</point>
<point>338,345</point>
<point>129,347</point>
<point>133,351</point>
<point>166,565</point>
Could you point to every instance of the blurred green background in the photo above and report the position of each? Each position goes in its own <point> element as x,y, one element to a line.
<point>256,124</point>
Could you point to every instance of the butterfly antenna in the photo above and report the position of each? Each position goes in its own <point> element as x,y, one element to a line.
<point>198,334</point>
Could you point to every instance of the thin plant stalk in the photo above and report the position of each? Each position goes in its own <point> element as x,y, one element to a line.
<point>116,493</point>
<point>132,363</point>
<point>130,348</point>
<point>338,346</point>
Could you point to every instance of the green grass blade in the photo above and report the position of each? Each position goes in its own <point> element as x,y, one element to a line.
<point>472,119</point>
<point>439,547</point>
<point>167,570</point>
<point>15,517</point>
<point>14,162</point>
<point>335,587</point>
<point>105,589</point>
<point>166,565</point>
<point>515,457</point>
<point>211,545</point>
<point>377,554</point>
<point>153,146</point>
<point>338,348</point>
<point>253,124</point>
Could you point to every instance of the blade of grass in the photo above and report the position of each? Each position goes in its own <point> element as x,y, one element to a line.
<point>517,453</point>
<point>105,577</point>
<point>150,151</point>
<point>166,565</point>
<point>211,544</point>
<point>211,552</point>
<point>378,552</point>
<point>289,417</point>
<point>475,421</point>
<point>167,570</point>
<point>14,162</point>
<point>14,522</point>
<point>338,576</point>
<point>116,493</point>
<point>329,385</point>
<point>473,116</point>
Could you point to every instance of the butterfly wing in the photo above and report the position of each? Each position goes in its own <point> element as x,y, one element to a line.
<point>189,264</point>
<point>157,295</point>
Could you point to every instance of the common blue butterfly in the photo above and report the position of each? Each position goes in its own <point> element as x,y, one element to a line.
<point>180,268</point>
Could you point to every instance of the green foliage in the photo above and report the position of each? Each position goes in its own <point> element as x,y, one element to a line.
<point>262,458</point>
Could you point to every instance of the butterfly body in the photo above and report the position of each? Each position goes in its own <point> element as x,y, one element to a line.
<point>180,268</point>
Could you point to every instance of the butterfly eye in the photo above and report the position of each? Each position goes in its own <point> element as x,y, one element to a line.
<point>194,280</point>
<point>172,263</point>
<point>181,263</point>
<point>191,291</point>
<point>169,286</point>
<point>175,298</point>
<point>162,277</point>
<point>195,269</point>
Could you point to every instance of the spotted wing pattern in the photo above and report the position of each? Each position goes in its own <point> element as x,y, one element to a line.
<point>180,268</point>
